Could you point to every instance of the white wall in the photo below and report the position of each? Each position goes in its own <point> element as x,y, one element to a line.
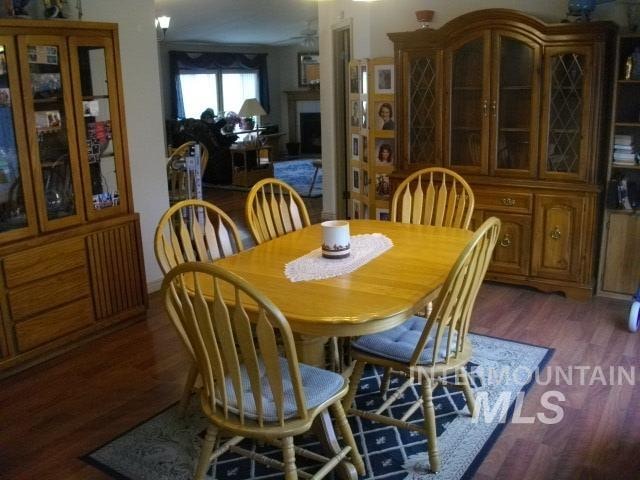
<point>141,85</point>
<point>370,24</point>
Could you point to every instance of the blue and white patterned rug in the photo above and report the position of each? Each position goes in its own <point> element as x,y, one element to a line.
<point>299,174</point>
<point>166,447</point>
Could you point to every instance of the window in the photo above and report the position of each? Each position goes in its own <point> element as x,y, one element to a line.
<point>223,91</point>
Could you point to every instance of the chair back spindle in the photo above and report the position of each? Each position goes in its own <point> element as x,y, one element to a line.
<point>195,230</point>
<point>273,209</point>
<point>445,201</point>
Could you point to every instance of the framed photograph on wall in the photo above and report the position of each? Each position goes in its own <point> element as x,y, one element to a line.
<point>365,149</point>
<point>385,151</point>
<point>383,186</point>
<point>384,111</point>
<point>355,146</point>
<point>355,179</point>
<point>354,86</point>
<point>355,113</point>
<point>383,78</point>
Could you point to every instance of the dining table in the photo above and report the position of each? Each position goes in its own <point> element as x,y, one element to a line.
<point>377,296</point>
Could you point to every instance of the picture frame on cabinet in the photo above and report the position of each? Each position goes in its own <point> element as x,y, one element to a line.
<point>45,85</point>
<point>355,179</point>
<point>354,86</point>
<point>385,151</point>
<point>383,186</point>
<point>355,113</point>
<point>384,79</point>
<point>383,214</point>
<point>365,149</point>
<point>384,116</point>
<point>355,146</point>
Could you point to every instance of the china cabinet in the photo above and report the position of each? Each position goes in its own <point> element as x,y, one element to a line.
<point>517,107</point>
<point>70,253</point>
<point>619,263</point>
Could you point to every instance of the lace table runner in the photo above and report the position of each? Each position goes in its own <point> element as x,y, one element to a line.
<point>313,266</point>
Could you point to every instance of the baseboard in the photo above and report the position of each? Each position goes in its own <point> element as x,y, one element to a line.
<point>154,285</point>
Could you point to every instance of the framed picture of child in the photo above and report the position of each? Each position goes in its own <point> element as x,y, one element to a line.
<point>355,179</point>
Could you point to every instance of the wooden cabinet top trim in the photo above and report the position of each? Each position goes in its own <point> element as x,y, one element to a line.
<point>501,17</point>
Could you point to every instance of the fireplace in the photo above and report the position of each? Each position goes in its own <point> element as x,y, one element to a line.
<point>310,133</point>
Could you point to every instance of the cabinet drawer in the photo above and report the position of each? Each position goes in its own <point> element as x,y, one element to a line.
<point>53,324</point>
<point>44,261</point>
<point>50,292</point>
<point>512,202</point>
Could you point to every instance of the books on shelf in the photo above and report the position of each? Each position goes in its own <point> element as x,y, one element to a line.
<point>623,140</point>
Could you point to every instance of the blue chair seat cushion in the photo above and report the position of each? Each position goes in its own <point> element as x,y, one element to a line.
<point>400,342</point>
<point>318,386</point>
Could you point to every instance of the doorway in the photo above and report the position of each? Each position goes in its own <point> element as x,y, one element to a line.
<point>341,57</point>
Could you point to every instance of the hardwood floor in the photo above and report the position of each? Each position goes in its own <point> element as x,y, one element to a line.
<point>54,413</point>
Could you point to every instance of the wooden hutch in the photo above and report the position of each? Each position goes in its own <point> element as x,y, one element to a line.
<point>520,109</point>
<point>71,261</point>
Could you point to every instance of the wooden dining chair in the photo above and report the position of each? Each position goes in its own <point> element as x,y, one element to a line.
<point>445,201</point>
<point>253,386</point>
<point>194,230</point>
<point>181,181</point>
<point>426,351</point>
<point>433,196</point>
<point>274,208</point>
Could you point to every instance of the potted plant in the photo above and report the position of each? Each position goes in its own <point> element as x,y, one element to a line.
<point>232,119</point>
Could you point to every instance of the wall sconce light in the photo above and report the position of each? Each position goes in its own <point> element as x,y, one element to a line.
<point>163,22</point>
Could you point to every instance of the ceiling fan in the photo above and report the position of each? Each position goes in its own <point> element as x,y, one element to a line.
<point>308,36</point>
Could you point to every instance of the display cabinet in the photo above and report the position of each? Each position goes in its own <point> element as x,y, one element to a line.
<point>517,107</point>
<point>70,254</point>
<point>619,263</point>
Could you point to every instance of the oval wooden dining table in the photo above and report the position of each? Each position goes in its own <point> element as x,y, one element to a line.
<point>377,296</point>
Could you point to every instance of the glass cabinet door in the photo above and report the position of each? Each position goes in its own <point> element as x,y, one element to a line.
<point>514,106</point>
<point>17,211</point>
<point>95,100</point>
<point>566,112</point>
<point>51,129</point>
<point>468,117</point>
<point>424,144</point>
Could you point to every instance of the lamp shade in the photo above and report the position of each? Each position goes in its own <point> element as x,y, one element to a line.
<point>164,21</point>
<point>251,108</point>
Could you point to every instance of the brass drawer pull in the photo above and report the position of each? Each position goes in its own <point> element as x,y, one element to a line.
<point>556,234</point>
<point>506,241</point>
<point>508,202</point>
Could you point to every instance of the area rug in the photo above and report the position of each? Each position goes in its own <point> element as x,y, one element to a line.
<point>297,173</point>
<point>166,447</point>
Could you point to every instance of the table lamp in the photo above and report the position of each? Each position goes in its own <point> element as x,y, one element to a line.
<point>250,108</point>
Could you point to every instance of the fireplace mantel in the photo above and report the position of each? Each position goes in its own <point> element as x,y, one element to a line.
<point>293,97</point>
